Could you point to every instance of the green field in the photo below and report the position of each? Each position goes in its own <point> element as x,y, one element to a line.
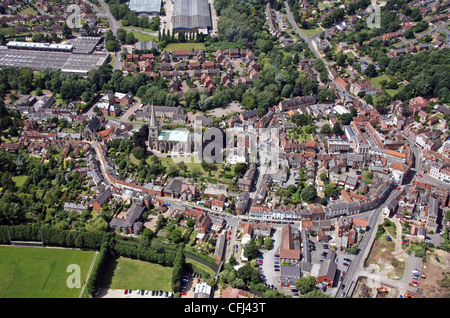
<point>184,46</point>
<point>28,272</point>
<point>135,274</point>
<point>144,37</point>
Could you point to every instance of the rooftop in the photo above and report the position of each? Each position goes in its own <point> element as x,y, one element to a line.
<point>145,6</point>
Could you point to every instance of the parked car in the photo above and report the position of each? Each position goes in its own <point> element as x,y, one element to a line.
<point>126,291</point>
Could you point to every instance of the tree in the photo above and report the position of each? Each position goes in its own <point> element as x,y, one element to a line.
<point>130,38</point>
<point>98,224</point>
<point>305,284</point>
<point>409,34</point>
<point>121,35</point>
<point>337,129</point>
<point>249,274</point>
<point>309,193</point>
<point>112,46</point>
<point>251,250</point>
<point>66,31</point>
<point>139,153</point>
<point>371,71</point>
<point>176,236</point>
<point>268,243</point>
<point>326,129</point>
<point>240,169</point>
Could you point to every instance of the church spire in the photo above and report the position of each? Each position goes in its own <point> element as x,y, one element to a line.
<point>153,119</point>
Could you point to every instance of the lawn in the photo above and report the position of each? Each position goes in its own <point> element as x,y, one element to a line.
<point>144,37</point>
<point>190,166</point>
<point>27,272</point>
<point>375,81</point>
<point>311,32</point>
<point>20,180</point>
<point>135,274</point>
<point>184,46</point>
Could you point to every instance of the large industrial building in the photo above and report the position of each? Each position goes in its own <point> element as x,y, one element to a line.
<point>192,15</point>
<point>145,6</point>
<point>79,56</point>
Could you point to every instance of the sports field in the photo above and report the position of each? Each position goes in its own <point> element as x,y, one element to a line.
<point>134,274</point>
<point>27,272</point>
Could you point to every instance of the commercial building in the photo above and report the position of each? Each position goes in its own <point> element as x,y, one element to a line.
<point>78,57</point>
<point>152,7</point>
<point>194,15</point>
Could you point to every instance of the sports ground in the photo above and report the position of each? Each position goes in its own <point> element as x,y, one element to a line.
<point>29,272</point>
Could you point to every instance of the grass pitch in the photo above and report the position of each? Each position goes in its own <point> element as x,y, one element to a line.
<point>127,273</point>
<point>27,272</point>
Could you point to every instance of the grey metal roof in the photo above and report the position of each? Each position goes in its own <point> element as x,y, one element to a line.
<point>150,6</point>
<point>191,14</point>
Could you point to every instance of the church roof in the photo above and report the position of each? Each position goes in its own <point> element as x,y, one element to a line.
<point>174,135</point>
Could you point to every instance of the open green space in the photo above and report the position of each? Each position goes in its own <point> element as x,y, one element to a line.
<point>20,180</point>
<point>135,274</point>
<point>29,272</point>
<point>143,36</point>
<point>27,11</point>
<point>375,81</point>
<point>184,46</point>
<point>311,32</point>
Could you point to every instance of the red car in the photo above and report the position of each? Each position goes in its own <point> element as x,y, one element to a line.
<point>183,293</point>
<point>125,291</point>
<point>420,175</point>
<point>415,282</point>
<point>398,188</point>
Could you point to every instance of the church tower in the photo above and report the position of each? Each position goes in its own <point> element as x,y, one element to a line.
<point>153,129</point>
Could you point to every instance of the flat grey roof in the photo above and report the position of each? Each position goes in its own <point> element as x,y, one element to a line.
<point>193,14</point>
<point>145,6</point>
<point>38,60</point>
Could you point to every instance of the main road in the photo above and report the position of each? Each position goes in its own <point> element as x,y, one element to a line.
<point>113,26</point>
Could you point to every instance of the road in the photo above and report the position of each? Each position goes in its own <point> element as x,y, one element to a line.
<point>310,41</point>
<point>356,266</point>
<point>418,155</point>
<point>113,26</point>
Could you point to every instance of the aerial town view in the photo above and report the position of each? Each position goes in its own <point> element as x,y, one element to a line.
<point>225,149</point>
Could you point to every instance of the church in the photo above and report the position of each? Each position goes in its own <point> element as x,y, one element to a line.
<point>166,141</point>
